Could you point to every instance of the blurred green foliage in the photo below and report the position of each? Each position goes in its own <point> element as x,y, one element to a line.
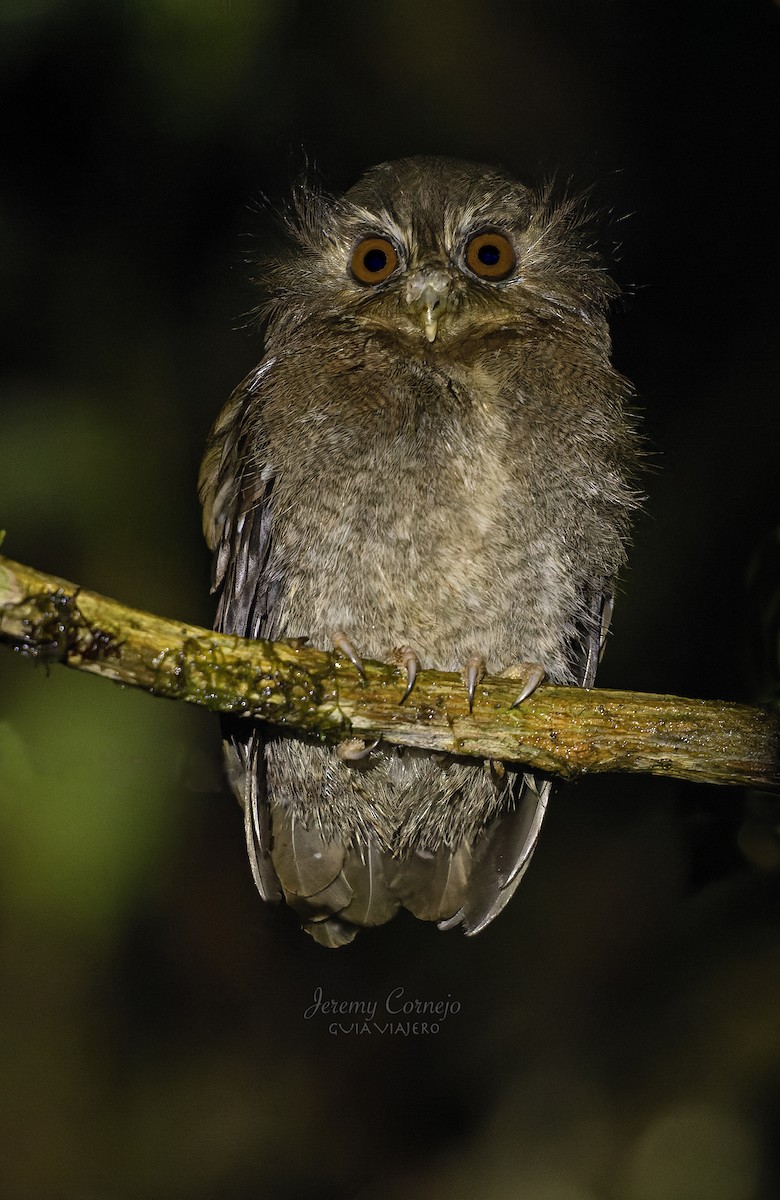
<point>82,827</point>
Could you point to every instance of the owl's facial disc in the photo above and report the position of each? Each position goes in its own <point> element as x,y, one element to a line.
<point>427,294</point>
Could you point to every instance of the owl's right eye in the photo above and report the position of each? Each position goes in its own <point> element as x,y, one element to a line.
<point>490,255</point>
<point>373,260</point>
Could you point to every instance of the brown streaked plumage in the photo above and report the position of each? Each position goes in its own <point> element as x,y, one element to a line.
<point>432,461</point>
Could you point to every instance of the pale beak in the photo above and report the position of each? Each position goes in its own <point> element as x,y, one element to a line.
<point>427,294</point>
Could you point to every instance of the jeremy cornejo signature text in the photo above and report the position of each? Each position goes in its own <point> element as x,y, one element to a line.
<point>397,1014</point>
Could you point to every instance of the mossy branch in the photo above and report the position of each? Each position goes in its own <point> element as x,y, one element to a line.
<point>565,731</point>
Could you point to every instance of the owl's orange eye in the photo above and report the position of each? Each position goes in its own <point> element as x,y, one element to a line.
<point>490,256</point>
<point>373,260</point>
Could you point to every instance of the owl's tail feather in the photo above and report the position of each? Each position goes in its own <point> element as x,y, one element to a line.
<point>368,871</point>
<point>502,856</point>
<point>331,932</point>
<point>336,889</point>
<point>432,884</point>
<point>372,903</point>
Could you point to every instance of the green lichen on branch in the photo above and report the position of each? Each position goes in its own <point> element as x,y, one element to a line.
<point>565,731</point>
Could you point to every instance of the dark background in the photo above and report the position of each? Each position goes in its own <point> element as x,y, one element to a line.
<point>618,1033</point>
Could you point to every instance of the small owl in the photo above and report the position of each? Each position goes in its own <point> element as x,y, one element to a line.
<point>431,464</point>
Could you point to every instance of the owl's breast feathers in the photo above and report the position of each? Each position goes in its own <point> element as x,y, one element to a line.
<point>418,502</point>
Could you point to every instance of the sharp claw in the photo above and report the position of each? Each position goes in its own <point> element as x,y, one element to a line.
<point>473,673</point>
<point>534,677</point>
<point>411,678</point>
<point>355,750</point>
<point>408,660</point>
<point>344,646</point>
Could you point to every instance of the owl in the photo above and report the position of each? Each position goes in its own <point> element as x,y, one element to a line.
<point>432,464</point>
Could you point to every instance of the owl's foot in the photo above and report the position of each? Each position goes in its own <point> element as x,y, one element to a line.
<point>531,675</point>
<point>407,659</point>
<point>474,670</point>
<point>355,750</point>
<point>341,642</point>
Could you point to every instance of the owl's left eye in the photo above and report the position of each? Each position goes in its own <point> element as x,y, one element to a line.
<point>490,255</point>
<point>373,260</point>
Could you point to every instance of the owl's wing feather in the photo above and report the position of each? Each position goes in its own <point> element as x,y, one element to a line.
<point>237,524</point>
<point>502,856</point>
<point>243,760</point>
<point>601,606</point>
<point>235,489</point>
